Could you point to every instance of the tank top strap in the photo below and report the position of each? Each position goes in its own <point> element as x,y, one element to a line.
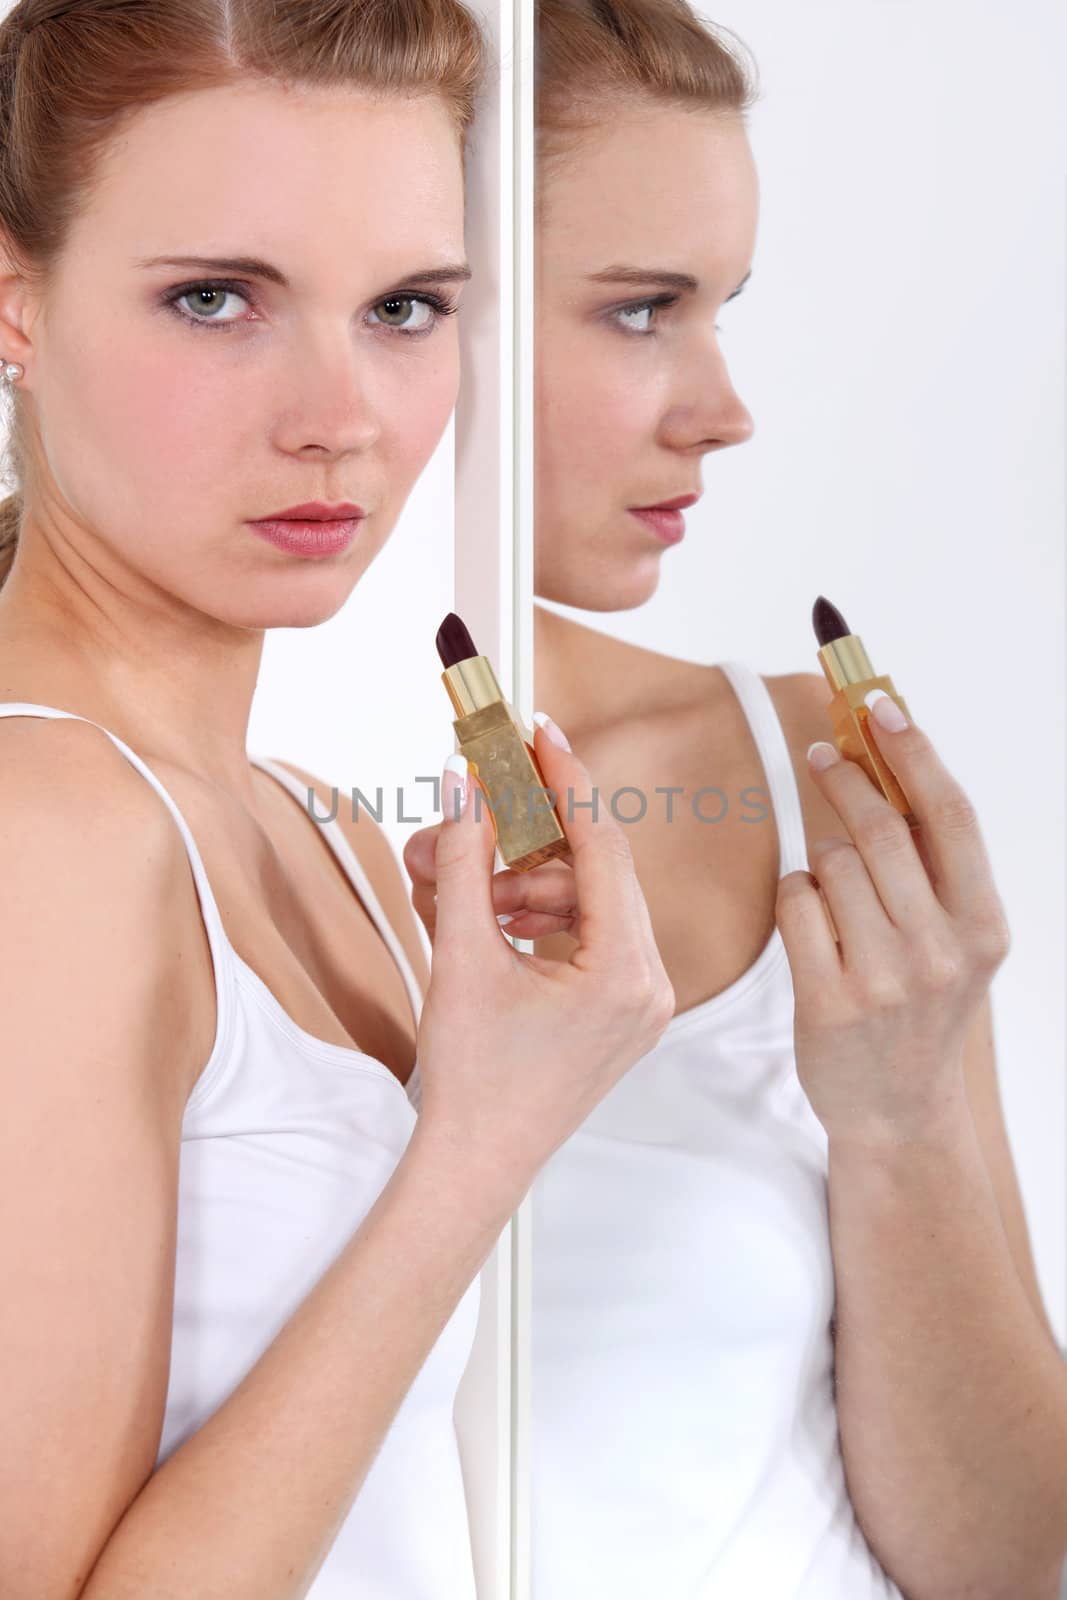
<point>217,939</point>
<point>357,876</point>
<point>770,740</point>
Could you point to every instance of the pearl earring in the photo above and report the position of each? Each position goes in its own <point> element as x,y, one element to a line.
<point>12,371</point>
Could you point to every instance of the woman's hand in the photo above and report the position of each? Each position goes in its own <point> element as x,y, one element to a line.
<point>881,1016</point>
<point>515,1050</point>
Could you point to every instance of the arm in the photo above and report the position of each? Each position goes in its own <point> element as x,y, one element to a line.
<point>951,1392</point>
<point>225,1518</point>
<point>94,1074</point>
<point>808,715</point>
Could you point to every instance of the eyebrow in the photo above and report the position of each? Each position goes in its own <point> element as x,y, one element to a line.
<point>255,267</point>
<point>669,280</point>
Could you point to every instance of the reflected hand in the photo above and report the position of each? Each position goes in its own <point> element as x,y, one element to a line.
<point>882,1014</point>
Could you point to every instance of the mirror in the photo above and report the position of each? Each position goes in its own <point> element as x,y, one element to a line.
<point>831,238</point>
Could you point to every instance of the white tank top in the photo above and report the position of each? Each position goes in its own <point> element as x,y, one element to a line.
<point>684,1431</point>
<point>287,1141</point>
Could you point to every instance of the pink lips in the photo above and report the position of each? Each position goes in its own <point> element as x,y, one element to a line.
<point>311,529</point>
<point>309,538</point>
<point>665,519</point>
<point>315,511</point>
<point>666,525</point>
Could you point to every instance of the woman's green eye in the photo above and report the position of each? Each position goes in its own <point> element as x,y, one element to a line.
<point>406,300</point>
<point>207,294</point>
<point>206,297</point>
<point>210,300</point>
<point>206,301</point>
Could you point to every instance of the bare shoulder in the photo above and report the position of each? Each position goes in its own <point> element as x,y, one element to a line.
<point>798,696</point>
<point>64,770</point>
<point>89,1140</point>
<point>800,700</point>
<point>809,690</point>
<point>373,848</point>
<point>97,889</point>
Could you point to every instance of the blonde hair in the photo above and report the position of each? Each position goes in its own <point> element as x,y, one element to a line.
<point>72,72</point>
<point>598,56</point>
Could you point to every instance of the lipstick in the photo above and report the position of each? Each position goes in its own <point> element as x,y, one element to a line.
<point>848,670</point>
<point>499,748</point>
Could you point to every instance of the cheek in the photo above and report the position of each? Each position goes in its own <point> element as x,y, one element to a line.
<point>135,430</point>
<point>595,412</point>
<point>413,407</point>
<point>146,437</point>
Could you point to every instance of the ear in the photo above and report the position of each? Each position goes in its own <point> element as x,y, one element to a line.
<point>17,311</point>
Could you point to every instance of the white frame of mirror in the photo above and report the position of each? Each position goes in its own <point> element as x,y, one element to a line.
<point>494,594</point>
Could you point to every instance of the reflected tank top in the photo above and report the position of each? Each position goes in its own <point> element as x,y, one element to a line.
<point>287,1140</point>
<point>684,1429</point>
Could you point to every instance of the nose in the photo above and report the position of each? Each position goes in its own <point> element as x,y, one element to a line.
<point>327,401</point>
<point>712,415</point>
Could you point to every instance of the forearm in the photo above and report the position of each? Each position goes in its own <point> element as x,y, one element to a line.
<point>248,1507</point>
<point>952,1400</point>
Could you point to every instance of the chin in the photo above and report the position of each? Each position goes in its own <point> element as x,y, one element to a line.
<point>288,612</point>
<point>622,587</point>
<point>305,616</point>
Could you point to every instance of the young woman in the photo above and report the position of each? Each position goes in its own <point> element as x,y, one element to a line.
<point>242,1286</point>
<point>814,1115</point>
<point>788,1342</point>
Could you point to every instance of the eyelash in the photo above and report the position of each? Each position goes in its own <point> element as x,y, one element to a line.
<point>663,300</point>
<point>439,304</point>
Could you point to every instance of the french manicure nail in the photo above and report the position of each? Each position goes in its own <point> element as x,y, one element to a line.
<point>885,710</point>
<point>554,731</point>
<point>822,755</point>
<point>454,784</point>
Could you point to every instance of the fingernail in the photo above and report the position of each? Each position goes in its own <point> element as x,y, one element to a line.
<point>885,710</point>
<point>506,916</point>
<point>822,755</point>
<point>454,787</point>
<point>554,731</point>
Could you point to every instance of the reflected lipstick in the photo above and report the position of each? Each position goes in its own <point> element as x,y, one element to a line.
<point>500,751</point>
<point>848,670</point>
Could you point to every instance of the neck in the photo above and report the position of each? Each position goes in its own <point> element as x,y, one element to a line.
<point>579,674</point>
<point>171,685</point>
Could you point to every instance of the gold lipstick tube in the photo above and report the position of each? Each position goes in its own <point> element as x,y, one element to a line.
<point>500,751</point>
<point>848,670</point>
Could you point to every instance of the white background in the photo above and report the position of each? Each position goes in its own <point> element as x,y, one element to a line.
<point>901,347</point>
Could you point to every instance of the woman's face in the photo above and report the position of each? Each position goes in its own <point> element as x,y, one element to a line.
<point>170,414</point>
<point>629,398</point>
